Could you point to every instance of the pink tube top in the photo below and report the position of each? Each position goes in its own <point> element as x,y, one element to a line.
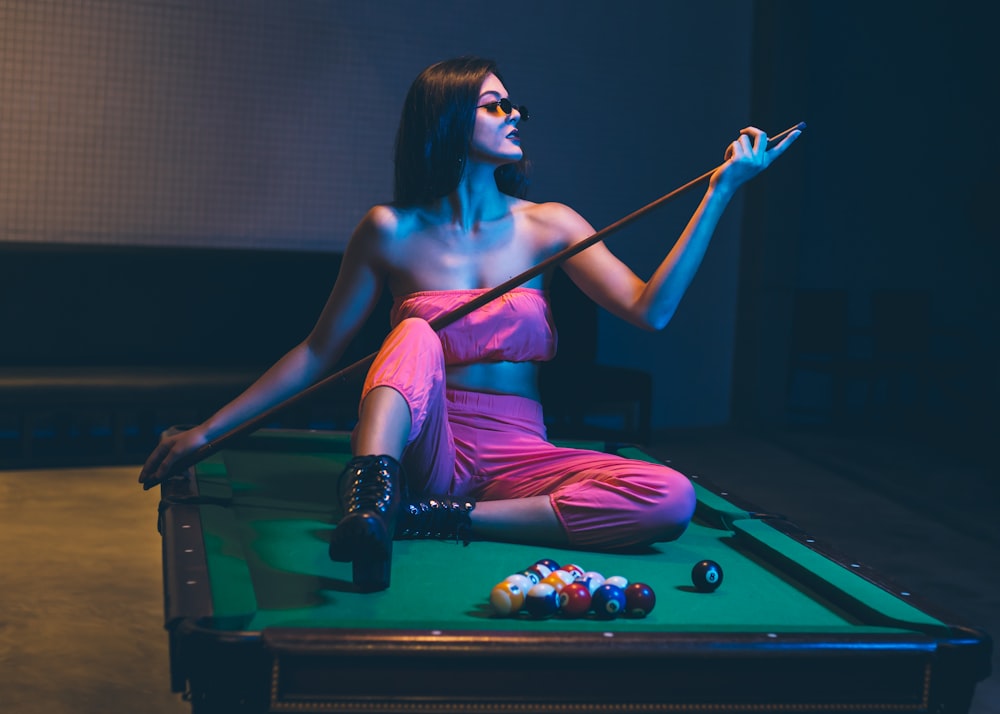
<point>515,327</point>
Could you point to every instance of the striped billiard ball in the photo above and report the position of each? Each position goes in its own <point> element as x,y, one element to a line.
<point>506,598</point>
<point>542,601</point>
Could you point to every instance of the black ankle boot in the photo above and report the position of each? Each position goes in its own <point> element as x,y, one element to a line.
<point>369,496</point>
<point>440,518</point>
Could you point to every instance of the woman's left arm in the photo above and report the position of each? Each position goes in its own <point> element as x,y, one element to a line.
<point>650,304</point>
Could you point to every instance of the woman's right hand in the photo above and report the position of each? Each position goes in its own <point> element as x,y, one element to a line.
<point>174,445</point>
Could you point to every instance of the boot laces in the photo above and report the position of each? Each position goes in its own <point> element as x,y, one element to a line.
<point>437,518</point>
<point>371,485</point>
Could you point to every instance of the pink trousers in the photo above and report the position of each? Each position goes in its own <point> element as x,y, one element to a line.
<point>493,447</point>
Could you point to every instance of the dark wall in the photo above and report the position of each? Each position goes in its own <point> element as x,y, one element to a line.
<point>893,187</point>
<point>121,306</point>
<point>269,125</point>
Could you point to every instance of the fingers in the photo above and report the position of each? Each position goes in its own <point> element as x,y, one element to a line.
<point>155,466</point>
<point>779,148</point>
<point>756,139</point>
<point>740,150</point>
<point>753,144</point>
<point>175,445</point>
<point>159,463</point>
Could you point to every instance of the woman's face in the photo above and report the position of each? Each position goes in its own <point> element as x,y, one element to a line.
<point>495,137</point>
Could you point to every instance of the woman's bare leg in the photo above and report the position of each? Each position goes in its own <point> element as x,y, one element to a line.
<point>519,520</point>
<point>384,424</point>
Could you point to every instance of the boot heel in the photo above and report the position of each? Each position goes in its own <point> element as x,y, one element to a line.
<point>371,572</point>
<point>359,535</point>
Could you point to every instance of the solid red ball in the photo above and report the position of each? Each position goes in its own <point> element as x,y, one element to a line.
<point>639,600</point>
<point>574,600</point>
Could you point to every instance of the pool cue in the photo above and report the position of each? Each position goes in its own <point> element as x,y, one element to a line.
<point>441,321</point>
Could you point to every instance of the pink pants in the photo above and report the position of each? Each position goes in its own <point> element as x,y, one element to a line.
<point>493,447</point>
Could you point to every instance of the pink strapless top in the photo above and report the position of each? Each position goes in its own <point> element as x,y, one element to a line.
<point>515,327</point>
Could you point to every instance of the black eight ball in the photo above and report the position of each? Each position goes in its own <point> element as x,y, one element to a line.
<point>706,576</point>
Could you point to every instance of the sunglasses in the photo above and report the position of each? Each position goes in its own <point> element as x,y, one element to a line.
<point>506,107</point>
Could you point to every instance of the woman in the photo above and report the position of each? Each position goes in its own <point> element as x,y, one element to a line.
<point>457,412</point>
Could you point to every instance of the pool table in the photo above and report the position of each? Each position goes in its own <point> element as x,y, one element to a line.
<point>260,620</point>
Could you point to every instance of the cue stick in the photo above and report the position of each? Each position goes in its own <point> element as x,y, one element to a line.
<point>440,322</point>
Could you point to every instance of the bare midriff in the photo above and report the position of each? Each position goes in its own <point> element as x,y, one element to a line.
<point>515,378</point>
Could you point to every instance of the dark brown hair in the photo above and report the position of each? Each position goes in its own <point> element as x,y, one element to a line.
<point>435,130</point>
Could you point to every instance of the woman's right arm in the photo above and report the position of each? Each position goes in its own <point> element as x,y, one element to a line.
<point>354,295</point>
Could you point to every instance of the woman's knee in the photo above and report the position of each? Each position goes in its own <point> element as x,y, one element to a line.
<point>411,362</point>
<point>632,504</point>
<point>670,513</point>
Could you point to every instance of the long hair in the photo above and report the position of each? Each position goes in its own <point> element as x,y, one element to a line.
<point>435,130</point>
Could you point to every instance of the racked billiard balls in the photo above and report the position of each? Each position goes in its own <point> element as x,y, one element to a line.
<point>608,601</point>
<point>706,576</point>
<point>574,600</point>
<point>542,601</point>
<point>639,600</point>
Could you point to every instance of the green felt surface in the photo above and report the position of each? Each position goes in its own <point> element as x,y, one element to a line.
<point>269,566</point>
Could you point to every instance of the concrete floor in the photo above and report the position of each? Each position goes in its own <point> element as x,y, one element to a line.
<point>80,581</point>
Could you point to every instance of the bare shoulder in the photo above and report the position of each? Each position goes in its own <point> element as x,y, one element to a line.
<point>380,230</point>
<point>549,213</point>
<point>380,222</point>
<point>556,223</point>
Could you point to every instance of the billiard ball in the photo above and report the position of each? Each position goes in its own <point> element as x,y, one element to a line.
<point>566,576</point>
<point>523,581</point>
<point>706,576</point>
<point>555,580</point>
<point>506,598</point>
<point>539,569</point>
<point>575,570</point>
<point>608,601</point>
<point>639,600</point>
<point>533,574</point>
<point>618,581</point>
<point>593,580</point>
<point>542,601</point>
<point>548,563</point>
<point>574,600</point>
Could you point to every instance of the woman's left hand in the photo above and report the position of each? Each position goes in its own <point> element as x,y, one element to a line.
<point>748,156</point>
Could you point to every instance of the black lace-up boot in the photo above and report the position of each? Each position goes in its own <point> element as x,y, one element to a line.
<point>440,518</point>
<point>370,498</point>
